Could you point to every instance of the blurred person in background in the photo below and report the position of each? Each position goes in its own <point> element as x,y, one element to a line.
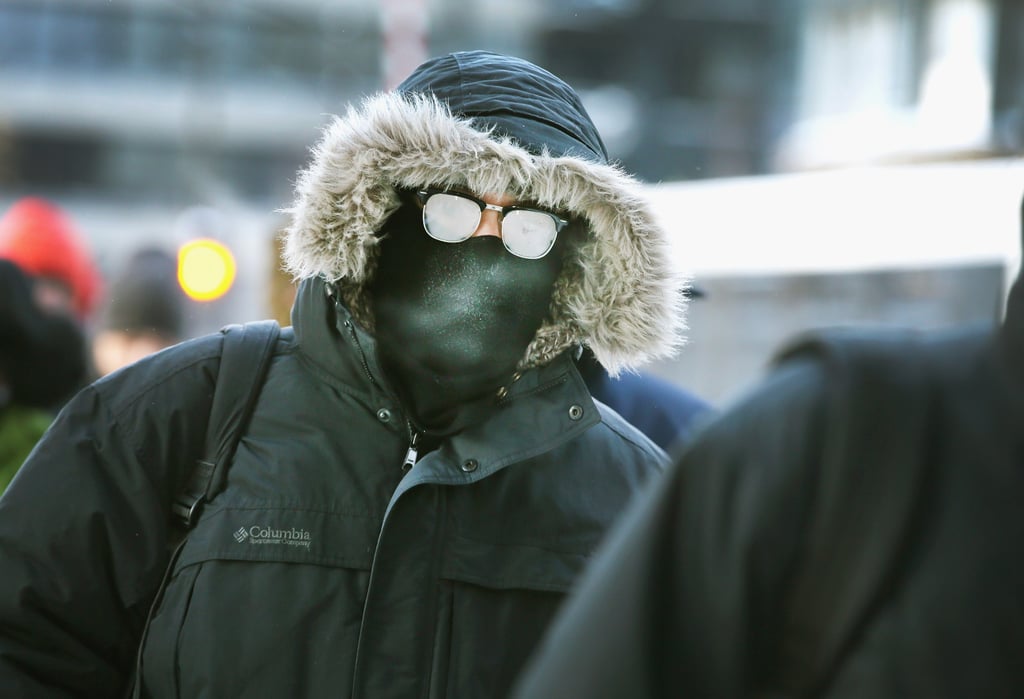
<point>852,528</point>
<point>43,241</point>
<point>424,473</point>
<point>668,414</point>
<point>42,361</point>
<point>143,311</point>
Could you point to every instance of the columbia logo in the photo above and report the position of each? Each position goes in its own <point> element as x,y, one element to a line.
<point>263,534</point>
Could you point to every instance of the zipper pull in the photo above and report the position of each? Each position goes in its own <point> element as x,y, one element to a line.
<point>411,454</point>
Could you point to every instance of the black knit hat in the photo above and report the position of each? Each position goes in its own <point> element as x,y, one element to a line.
<point>145,297</point>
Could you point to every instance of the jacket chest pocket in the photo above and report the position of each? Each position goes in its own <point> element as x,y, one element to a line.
<point>495,604</point>
<point>260,602</point>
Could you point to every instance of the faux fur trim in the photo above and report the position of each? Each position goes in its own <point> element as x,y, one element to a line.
<point>618,292</point>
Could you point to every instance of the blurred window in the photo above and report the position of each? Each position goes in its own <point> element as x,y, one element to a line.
<point>271,46</point>
<point>60,161</point>
<point>72,37</point>
<point>20,35</point>
<point>236,50</point>
<point>164,41</point>
<point>160,163</point>
<point>113,39</point>
<point>233,42</point>
<point>350,55</point>
<point>261,175</point>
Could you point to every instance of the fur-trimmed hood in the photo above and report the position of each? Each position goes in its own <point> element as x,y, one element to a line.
<point>493,123</point>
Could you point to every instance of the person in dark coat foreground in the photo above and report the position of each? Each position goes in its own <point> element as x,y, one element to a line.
<point>853,528</point>
<point>424,473</point>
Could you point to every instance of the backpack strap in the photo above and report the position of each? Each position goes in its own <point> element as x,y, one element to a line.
<point>246,354</point>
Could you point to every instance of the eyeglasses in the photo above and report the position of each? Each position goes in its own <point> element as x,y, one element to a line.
<point>453,217</point>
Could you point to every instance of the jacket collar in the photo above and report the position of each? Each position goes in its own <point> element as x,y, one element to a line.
<point>539,408</point>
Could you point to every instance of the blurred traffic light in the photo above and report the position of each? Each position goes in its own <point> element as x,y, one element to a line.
<point>206,269</point>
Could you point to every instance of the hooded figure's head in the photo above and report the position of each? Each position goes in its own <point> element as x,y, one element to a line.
<point>488,123</point>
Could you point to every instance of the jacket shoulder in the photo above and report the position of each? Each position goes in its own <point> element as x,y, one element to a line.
<point>894,359</point>
<point>186,371</point>
<point>633,438</point>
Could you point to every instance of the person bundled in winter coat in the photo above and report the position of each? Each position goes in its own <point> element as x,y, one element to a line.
<point>423,475</point>
<point>40,237</point>
<point>42,363</point>
<point>851,529</point>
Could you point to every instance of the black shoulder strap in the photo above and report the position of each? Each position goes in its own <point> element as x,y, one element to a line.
<point>869,495</point>
<point>246,354</point>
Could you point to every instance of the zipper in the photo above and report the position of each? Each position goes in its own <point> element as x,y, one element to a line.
<point>362,355</point>
<point>412,453</point>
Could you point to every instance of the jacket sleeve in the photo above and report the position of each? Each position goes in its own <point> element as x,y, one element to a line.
<point>680,598</point>
<point>83,527</point>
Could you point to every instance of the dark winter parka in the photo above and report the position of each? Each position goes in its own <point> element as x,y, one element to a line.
<point>324,568</point>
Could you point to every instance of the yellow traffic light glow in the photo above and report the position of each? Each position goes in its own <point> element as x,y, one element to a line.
<point>206,269</point>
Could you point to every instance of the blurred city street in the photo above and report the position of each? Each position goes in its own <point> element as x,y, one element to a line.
<point>818,163</point>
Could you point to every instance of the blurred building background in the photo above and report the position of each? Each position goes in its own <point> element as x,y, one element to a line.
<point>166,120</point>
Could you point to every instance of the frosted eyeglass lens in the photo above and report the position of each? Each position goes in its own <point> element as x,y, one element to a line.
<point>528,234</point>
<point>449,218</point>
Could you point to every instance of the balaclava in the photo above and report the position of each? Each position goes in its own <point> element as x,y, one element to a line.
<point>454,320</point>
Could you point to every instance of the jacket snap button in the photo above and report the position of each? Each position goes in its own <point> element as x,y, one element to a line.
<point>384,415</point>
<point>469,465</point>
<point>575,412</point>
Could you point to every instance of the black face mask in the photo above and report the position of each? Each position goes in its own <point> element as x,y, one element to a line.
<point>454,319</point>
